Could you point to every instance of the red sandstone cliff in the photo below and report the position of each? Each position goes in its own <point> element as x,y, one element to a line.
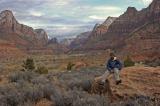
<point>101,29</point>
<point>22,35</point>
<point>24,38</point>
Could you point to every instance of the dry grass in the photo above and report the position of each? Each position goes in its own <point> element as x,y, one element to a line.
<point>55,62</point>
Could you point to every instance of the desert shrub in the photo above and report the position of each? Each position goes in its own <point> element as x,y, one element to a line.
<point>19,75</point>
<point>13,95</point>
<point>9,95</point>
<point>153,63</point>
<point>34,87</point>
<point>84,85</point>
<point>42,70</point>
<point>27,103</point>
<point>128,62</point>
<point>29,64</point>
<point>46,86</point>
<point>27,88</point>
<point>136,101</point>
<point>32,92</point>
<point>81,98</point>
<point>40,80</point>
<point>70,66</point>
<point>57,98</point>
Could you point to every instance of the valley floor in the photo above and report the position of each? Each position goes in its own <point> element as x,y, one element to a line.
<point>137,81</point>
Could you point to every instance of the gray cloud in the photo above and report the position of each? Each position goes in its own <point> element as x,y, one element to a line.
<point>59,26</point>
<point>60,18</point>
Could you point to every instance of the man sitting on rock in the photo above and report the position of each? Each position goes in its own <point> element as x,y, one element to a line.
<point>113,66</point>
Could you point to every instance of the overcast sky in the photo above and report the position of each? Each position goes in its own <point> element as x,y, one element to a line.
<point>67,18</point>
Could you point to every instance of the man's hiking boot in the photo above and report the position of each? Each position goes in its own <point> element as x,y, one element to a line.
<point>118,82</point>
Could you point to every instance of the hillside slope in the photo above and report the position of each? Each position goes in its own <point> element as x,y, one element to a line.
<point>138,81</point>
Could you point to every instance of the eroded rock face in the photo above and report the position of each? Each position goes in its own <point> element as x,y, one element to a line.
<point>101,29</point>
<point>6,19</point>
<point>42,36</point>
<point>9,25</point>
<point>24,37</point>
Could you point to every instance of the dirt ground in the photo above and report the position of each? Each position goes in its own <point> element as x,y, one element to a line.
<point>138,80</point>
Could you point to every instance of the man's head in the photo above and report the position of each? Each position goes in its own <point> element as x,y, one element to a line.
<point>112,55</point>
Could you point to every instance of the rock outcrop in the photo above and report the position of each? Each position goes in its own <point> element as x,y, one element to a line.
<point>100,29</point>
<point>42,36</point>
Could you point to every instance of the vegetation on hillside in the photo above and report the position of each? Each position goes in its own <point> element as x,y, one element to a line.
<point>70,66</point>
<point>128,62</point>
<point>29,64</point>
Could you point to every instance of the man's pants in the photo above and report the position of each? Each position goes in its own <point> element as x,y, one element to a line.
<point>115,71</point>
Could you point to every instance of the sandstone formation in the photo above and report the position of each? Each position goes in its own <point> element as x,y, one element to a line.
<point>25,38</point>
<point>17,33</point>
<point>100,29</point>
<point>42,36</point>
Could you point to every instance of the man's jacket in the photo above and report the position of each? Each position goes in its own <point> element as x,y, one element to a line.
<point>111,64</point>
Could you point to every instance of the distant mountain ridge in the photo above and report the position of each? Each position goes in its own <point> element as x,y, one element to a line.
<point>133,29</point>
<point>23,37</point>
<point>79,40</point>
<point>97,31</point>
<point>24,34</point>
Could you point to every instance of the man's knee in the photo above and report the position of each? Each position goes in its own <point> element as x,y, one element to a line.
<point>116,70</point>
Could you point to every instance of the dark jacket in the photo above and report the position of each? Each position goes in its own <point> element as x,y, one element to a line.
<point>111,64</point>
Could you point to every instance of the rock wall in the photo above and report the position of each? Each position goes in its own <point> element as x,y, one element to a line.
<point>9,26</point>
<point>25,38</point>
